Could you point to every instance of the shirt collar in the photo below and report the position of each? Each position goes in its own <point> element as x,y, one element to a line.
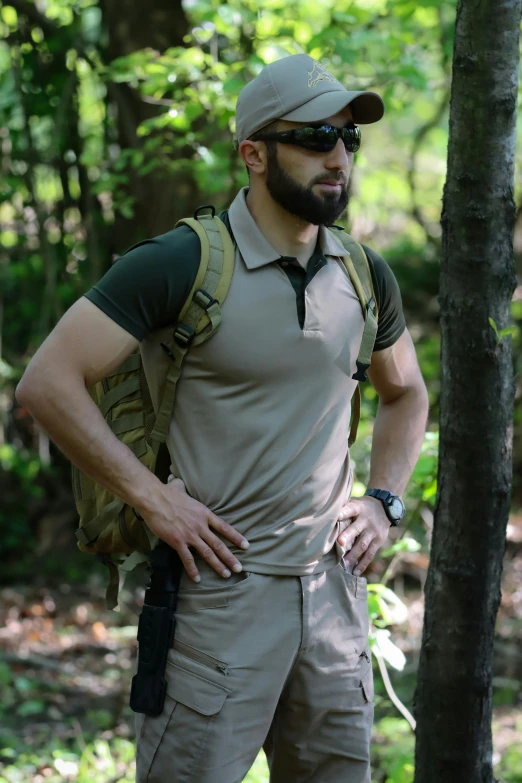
<point>255,248</point>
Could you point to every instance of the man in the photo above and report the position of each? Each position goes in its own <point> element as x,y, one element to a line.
<point>271,643</point>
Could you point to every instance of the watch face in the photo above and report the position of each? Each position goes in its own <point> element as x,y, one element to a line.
<point>396,508</point>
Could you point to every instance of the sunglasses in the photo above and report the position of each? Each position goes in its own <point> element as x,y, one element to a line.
<point>318,139</point>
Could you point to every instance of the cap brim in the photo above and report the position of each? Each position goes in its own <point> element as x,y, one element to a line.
<point>367,107</point>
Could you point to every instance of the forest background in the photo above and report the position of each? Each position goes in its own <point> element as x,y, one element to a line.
<point>116,120</point>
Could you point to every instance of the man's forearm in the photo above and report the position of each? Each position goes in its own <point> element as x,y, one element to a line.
<point>398,433</point>
<point>72,420</point>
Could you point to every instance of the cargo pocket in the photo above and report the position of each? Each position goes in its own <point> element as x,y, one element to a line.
<point>170,747</point>
<point>195,599</point>
<point>354,604</point>
<point>357,585</point>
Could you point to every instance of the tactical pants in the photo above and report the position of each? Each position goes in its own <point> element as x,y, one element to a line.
<point>280,662</point>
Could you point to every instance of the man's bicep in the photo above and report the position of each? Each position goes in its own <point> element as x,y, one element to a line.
<point>84,342</point>
<point>395,370</point>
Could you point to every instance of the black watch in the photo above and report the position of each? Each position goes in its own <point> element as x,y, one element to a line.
<point>394,508</point>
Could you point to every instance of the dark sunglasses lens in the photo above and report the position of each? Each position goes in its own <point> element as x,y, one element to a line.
<point>317,139</point>
<point>325,138</point>
<point>352,138</point>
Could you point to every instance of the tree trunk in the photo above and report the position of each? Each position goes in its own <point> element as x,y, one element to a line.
<point>453,701</point>
<point>159,201</point>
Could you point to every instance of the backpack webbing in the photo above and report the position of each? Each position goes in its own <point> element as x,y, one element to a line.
<point>358,268</point>
<point>201,315</point>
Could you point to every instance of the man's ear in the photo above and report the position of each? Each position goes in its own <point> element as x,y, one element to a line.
<point>254,155</point>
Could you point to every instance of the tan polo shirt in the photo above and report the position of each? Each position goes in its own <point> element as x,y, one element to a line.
<point>260,427</point>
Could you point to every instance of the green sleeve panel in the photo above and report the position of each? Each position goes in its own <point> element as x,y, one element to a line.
<point>147,286</point>
<point>389,302</point>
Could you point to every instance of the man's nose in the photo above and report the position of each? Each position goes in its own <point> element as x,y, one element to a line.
<point>339,157</point>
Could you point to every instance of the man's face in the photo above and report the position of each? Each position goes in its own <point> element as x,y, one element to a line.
<point>294,175</point>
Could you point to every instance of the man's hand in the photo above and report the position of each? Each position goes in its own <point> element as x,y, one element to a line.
<point>369,525</point>
<point>184,522</point>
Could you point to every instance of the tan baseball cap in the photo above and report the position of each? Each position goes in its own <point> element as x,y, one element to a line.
<point>300,89</point>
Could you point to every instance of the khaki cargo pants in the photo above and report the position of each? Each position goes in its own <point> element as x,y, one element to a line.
<point>279,662</point>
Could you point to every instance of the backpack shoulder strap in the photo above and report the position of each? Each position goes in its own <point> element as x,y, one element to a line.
<point>358,269</point>
<point>200,316</point>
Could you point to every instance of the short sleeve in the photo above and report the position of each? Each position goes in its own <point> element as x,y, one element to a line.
<point>146,287</point>
<point>391,322</point>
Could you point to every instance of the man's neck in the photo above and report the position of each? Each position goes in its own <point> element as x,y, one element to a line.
<point>287,234</point>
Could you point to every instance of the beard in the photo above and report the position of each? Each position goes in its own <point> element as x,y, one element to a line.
<point>301,201</point>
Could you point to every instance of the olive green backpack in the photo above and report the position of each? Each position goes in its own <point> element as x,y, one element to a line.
<point>109,527</point>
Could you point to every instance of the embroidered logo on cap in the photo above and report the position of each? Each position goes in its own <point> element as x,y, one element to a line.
<point>319,74</point>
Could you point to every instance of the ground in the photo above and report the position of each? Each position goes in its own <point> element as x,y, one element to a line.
<point>66,665</point>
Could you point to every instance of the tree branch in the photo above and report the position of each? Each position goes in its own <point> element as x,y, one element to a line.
<point>391,693</point>
<point>418,139</point>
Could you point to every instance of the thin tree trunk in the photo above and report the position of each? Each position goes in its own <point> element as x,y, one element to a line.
<point>453,701</point>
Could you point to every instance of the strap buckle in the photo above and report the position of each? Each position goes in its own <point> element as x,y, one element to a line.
<point>360,375</point>
<point>204,299</point>
<point>184,335</point>
<point>205,206</point>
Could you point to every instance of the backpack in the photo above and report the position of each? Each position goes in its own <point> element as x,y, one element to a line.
<point>110,528</point>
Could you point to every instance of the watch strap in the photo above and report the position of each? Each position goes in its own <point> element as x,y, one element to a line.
<point>381,494</point>
<point>384,495</point>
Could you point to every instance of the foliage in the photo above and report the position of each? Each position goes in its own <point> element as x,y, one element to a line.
<point>71,174</point>
<point>97,762</point>
<point>69,177</point>
<point>71,200</point>
<point>509,331</point>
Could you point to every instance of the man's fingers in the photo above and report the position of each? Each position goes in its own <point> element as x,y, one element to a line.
<point>188,561</point>
<point>191,527</point>
<point>208,554</point>
<point>227,530</point>
<point>350,509</point>
<point>176,483</point>
<point>357,551</point>
<point>365,561</point>
<point>346,512</point>
<point>350,533</point>
<point>221,550</point>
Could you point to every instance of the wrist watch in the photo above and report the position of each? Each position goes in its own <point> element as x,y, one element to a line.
<point>394,508</point>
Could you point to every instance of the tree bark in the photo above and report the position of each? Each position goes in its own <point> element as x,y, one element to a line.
<point>159,201</point>
<point>453,700</point>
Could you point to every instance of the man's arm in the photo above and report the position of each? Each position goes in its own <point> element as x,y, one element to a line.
<point>82,349</point>
<point>397,440</point>
<point>400,423</point>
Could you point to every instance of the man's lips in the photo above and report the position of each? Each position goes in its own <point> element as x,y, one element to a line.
<point>332,185</point>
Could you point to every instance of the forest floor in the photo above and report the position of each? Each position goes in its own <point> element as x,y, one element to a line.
<point>66,665</point>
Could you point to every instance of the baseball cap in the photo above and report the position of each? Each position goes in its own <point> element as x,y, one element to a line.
<point>300,89</point>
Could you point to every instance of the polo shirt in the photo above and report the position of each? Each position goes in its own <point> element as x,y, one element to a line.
<point>261,420</point>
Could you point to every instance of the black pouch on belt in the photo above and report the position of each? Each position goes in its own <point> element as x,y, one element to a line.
<point>156,629</point>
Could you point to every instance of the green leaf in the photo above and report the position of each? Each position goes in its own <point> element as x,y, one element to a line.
<point>493,325</point>
<point>511,330</point>
<point>386,605</point>
<point>126,210</point>
<point>389,651</point>
<point>31,707</point>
